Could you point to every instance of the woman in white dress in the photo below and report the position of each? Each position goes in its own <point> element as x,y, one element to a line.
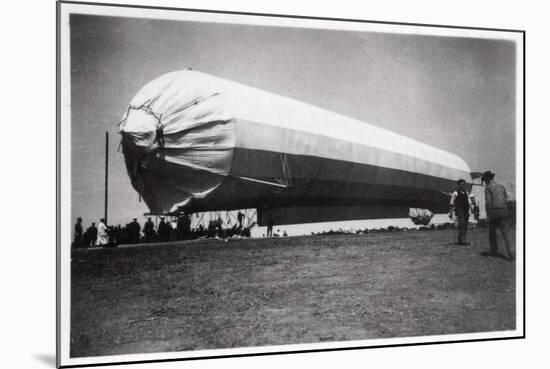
<point>102,235</point>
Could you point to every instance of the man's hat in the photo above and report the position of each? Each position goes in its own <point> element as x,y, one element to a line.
<point>487,176</point>
<point>461,180</point>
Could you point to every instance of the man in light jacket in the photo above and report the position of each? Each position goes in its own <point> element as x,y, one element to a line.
<point>496,205</point>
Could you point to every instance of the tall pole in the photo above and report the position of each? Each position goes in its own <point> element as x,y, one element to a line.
<point>106,173</point>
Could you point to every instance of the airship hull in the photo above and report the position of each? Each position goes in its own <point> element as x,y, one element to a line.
<point>194,142</point>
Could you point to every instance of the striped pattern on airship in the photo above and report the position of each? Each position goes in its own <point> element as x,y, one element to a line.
<point>194,142</point>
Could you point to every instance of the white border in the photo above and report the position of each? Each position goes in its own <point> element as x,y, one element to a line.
<point>520,138</point>
<point>196,16</point>
<point>65,190</point>
<point>64,237</point>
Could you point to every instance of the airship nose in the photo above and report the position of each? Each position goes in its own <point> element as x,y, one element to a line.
<point>139,132</point>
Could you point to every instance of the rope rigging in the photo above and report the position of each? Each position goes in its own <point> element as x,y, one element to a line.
<point>286,178</point>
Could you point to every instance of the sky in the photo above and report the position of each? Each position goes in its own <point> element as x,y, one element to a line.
<point>457,94</point>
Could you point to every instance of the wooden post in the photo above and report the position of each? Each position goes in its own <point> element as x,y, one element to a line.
<point>106,175</point>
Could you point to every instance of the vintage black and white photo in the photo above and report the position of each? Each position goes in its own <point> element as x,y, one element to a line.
<point>240,184</point>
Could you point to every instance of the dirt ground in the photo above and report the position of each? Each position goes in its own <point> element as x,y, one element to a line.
<point>254,292</point>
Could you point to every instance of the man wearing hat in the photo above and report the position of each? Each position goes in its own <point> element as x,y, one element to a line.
<point>164,230</point>
<point>496,205</point>
<point>149,230</point>
<point>134,230</point>
<point>460,203</point>
<point>78,233</point>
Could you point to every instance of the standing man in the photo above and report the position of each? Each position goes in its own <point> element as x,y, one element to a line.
<point>92,234</point>
<point>180,228</point>
<point>133,230</point>
<point>475,208</point>
<point>460,204</point>
<point>219,229</point>
<point>78,233</point>
<point>496,205</point>
<point>186,225</point>
<point>102,235</point>
<point>149,230</point>
<point>163,231</point>
<point>270,224</point>
<point>240,218</point>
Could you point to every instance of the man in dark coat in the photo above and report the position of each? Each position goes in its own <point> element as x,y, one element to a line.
<point>134,230</point>
<point>180,228</point>
<point>240,218</point>
<point>186,225</point>
<point>164,230</point>
<point>149,230</point>
<point>92,231</point>
<point>270,224</point>
<point>78,233</point>
<point>460,204</point>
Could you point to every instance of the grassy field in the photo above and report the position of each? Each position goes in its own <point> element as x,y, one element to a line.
<point>253,292</point>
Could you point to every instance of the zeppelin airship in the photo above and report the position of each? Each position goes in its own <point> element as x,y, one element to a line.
<point>193,142</point>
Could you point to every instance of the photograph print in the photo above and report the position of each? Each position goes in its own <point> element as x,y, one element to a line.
<point>240,184</point>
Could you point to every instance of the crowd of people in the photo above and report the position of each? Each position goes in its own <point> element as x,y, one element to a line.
<point>461,206</point>
<point>166,231</point>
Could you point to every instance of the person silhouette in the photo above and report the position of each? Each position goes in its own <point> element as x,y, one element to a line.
<point>270,224</point>
<point>92,235</point>
<point>148,230</point>
<point>102,238</point>
<point>496,206</point>
<point>78,233</point>
<point>461,205</point>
